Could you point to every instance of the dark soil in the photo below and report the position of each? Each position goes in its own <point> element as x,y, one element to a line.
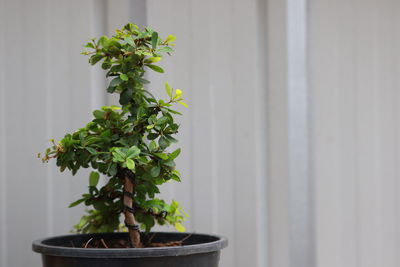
<point>124,243</point>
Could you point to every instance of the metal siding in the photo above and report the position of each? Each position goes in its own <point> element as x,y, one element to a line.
<point>355,98</point>
<point>46,90</point>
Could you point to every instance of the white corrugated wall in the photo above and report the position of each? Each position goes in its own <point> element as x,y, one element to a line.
<point>290,143</point>
<point>355,66</point>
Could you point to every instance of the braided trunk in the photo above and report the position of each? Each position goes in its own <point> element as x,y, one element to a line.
<point>134,234</point>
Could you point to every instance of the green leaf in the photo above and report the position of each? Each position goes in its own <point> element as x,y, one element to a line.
<point>91,150</point>
<point>76,203</point>
<point>163,142</point>
<point>152,146</point>
<point>174,154</point>
<point>129,40</point>
<point>173,111</point>
<point>132,152</point>
<point>120,152</point>
<point>148,221</point>
<point>178,94</point>
<point>171,139</point>
<point>165,49</point>
<point>95,58</point>
<point>115,82</point>
<point>125,97</point>
<point>89,45</point>
<point>102,40</point>
<point>82,222</point>
<point>155,68</point>
<point>124,77</point>
<point>94,178</point>
<point>111,89</point>
<point>175,177</point>
<point>113,169</point>
<point>106,65</point>
<point>168,89</point>
<point>162,120</point>
<point>183,104</point>
<point>170,38</point>
<point>117,157</point>
<point>161,155</point>
<point>153,59</point>
<point>152,136</point>
<point>155,171</point>
<point>179,227</point>
<point>170,164</point>
<point>130,164</point>
<point>154,40</point>
<point>98,114</point>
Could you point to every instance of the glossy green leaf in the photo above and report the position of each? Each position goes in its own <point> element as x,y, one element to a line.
<point>161,155</point>
<point>183,104</point>
<point>174,154</point>
<point>175,177</point>
<point>165,49</point>
<point>163,142</point>
<point>129,40</point>
<point>170,38</point>
<point>162,120</point>
<point>155,171</point>
<point>130,164</point>
<point>76,203</point>
<point>168,89</point>
<point>179,227</point>
<point>155,68</point>
<point>118,157</point>
<point>123,77</point>
<point>125,97</point>
<point>94,178</point>
<point>154,40</point>
<point>132,152</point>
<point>152,146</point>
<point>115,82</point>
<point>98,114</point>
<point>95,58</point>
<point>91,150</point>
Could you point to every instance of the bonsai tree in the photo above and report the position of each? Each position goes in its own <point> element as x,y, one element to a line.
<point>129,143</point>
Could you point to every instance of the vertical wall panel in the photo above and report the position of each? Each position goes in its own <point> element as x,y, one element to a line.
<point>277,113</point>
<point>247,125</point>
<point>396,131</point>
<point>22,116</point>
<point>46,90</point>
<point>3,166</point>
<point>355,68</point>
<point>334,103</point>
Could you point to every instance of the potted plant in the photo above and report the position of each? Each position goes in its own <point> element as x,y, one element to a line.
<point>130,145</point>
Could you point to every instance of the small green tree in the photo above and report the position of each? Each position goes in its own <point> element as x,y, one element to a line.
<point>128,144</point>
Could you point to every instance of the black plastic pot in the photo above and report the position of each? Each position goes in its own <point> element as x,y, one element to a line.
<point>198,250</point>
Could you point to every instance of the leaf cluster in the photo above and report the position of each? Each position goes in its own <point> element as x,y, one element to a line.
<point>131,140</point>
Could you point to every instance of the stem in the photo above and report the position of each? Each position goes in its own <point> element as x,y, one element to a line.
<point>134,235</point>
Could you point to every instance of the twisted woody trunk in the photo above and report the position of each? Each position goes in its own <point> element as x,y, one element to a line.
<point>134,233</point>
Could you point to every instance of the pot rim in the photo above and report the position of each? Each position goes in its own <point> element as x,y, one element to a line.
<point>40,247</point>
